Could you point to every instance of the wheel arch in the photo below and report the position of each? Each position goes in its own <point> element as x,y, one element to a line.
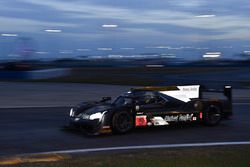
<point>120,111</point>
<point>211,108</point>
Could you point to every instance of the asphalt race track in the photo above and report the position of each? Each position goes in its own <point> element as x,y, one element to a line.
<point>32,130</point>
<point>32,117</point>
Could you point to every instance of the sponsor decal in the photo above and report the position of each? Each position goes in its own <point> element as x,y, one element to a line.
<point>187,117</point>
<point>158,121</point>
<point>179,118</point>
<point>172,118</point>
<point>141,120</point>
<point>185,93</point>
<point>149,124</point>
<point>190,91</point>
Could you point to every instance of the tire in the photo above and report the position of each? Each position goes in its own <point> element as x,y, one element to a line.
<point>212,115</point>
<point>122,122</point>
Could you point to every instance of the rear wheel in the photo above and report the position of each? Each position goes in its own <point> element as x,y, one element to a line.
<point>122,122</point>
<point>212,115</point>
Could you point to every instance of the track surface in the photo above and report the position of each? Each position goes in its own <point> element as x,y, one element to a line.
<point>23,94</point>
<point>29,130</point>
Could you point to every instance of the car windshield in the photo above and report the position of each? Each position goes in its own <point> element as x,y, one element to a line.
<point>122,101</point>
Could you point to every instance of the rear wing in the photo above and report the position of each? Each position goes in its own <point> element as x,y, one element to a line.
<point>227,91</point>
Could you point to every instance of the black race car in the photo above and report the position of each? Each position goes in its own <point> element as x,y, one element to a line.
<point>153,106</point>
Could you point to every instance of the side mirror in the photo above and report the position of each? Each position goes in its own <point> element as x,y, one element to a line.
<point>137,106</point>
<point>104,99</point>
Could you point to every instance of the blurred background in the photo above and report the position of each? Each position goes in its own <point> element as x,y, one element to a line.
<point>131,42</point>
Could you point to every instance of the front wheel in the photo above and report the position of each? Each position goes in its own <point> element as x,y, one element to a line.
<point>212,115</point>
<point>122,122</point>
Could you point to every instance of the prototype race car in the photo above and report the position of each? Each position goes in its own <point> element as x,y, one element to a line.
<point>153,106</point>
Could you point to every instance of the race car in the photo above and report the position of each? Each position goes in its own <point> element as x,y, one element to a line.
<point>153,106</point>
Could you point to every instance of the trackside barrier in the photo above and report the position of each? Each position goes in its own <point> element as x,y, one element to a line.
<point>36,74</point>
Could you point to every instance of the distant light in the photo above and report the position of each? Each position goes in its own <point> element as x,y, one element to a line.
<point>53,30</point>
<point>202,48</point>
<point>83,50</point>
<point>187,47</point>
<point>164,55</point>
<point>247,52</point>
<point>162,47</point>
<point>104,49</point>
<point>175,48</point>
<point>205,16</point>
<point>127,48</point>
<point>115,56</point>
<point>13,55</point>
<point>66,51</point>
<point>109,26</point>
<point>167,54</point>
<point>9,35</point>
<point>157,47</point>
<point>42,53</point>
<point>212,55</point>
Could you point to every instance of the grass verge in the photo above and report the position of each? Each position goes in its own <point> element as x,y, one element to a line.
<point>194,157</point>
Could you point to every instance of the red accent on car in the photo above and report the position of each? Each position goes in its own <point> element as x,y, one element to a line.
<point>141,120</point>
<point>201,115</point>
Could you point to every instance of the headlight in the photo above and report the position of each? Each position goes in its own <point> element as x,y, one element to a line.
<point>81,115</point>
<point>71,113</point>
<point>97,115</point>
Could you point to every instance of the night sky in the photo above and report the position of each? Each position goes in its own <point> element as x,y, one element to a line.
<point>69,28</point>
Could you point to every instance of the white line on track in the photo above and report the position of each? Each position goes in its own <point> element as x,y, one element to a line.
<point>144,147</point>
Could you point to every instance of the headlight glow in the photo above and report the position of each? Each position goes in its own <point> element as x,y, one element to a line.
<point>71,113</point>
<point>96,116</point>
